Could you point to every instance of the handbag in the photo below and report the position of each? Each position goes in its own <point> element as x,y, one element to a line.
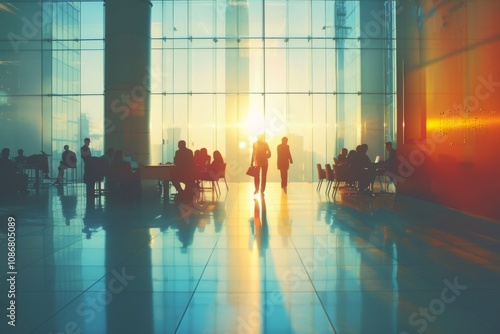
<point>253,171</point>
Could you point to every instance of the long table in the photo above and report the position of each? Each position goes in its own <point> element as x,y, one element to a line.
<point>158,172</point>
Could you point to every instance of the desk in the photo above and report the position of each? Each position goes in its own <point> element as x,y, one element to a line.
<point>381,174</point>
<point>158,172</point>
<point>36,170</point>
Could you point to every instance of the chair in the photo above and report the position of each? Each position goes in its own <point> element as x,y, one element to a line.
<point>214,177</point>
<point>341,174</point>
<point>206,175</point>
<point>95,171</point>
<point>321,176</point>
<point>329,178</point>
<point>71,175</point>
<point>122,179</point>
<point>221,175</point>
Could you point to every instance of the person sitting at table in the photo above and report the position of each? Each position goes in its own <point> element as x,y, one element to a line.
<point>196,157</point>
<point>362,168</point>
<point>122,178</point>
<point>205,159</point>
<point>216,165</point>
<point>184,168</point>
<point>201,163</point>
<point>21,158</point>
<point>68,160</point>
<point>342,157</point>
<point>7,172</point>
<point>348,165</point>
<point>10,180</point>
<point>109,155</point>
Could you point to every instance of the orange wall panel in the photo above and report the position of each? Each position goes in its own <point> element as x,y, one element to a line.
<point>456,160</point>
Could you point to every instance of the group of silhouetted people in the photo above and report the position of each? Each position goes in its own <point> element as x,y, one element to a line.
<point>13,177</point>
<point>190,168</point>
<point>360,170</point>
<point>12,180</point>
<point>120,178</point>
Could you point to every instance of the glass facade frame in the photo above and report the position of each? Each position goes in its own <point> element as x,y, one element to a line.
<point>222,72</point>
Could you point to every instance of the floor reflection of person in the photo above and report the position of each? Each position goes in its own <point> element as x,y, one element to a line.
<point>68,204</point>
<point>186,229</point>
<point>284,222</point>
<point>260,228</point>
<point>260,155</point>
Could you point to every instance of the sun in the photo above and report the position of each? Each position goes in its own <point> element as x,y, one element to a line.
<point>253,124</point>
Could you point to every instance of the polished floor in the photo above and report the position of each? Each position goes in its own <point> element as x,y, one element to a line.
<point>300,262</point>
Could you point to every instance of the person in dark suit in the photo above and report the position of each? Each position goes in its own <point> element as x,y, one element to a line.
<point>184,168</point>
<point>284,161</point>
<point>260,155</point>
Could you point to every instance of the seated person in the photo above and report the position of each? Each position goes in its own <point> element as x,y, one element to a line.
<point>214,170</point>
<point>204,157</point>
<point>95,171</point>
<point>342,158</point>
<point>21,158</point>
<point>109,155</point>
<point>10,180</point>
<point>68,160</point>
<point>196,158</point>
<point>107,160</point>
<point>362,168</point>
<point>216,166</point>
<point>121,177</point>
<point>348,165</point>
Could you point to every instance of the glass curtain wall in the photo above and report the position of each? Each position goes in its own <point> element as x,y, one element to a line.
<point>229,70</point>
<point>222,72</point>
<point>347,32</point>
<point>51,76</point>
<point>62,50</point>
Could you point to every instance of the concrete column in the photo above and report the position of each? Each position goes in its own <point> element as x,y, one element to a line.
<point>127,77</point>
<point>372,24</point>
<point>237,85</point>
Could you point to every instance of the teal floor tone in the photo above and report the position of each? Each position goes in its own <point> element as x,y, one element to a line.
<point>300,262</point>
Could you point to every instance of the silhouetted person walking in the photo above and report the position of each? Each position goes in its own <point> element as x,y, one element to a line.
<point>260,155</point>
<point>284,161</point>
